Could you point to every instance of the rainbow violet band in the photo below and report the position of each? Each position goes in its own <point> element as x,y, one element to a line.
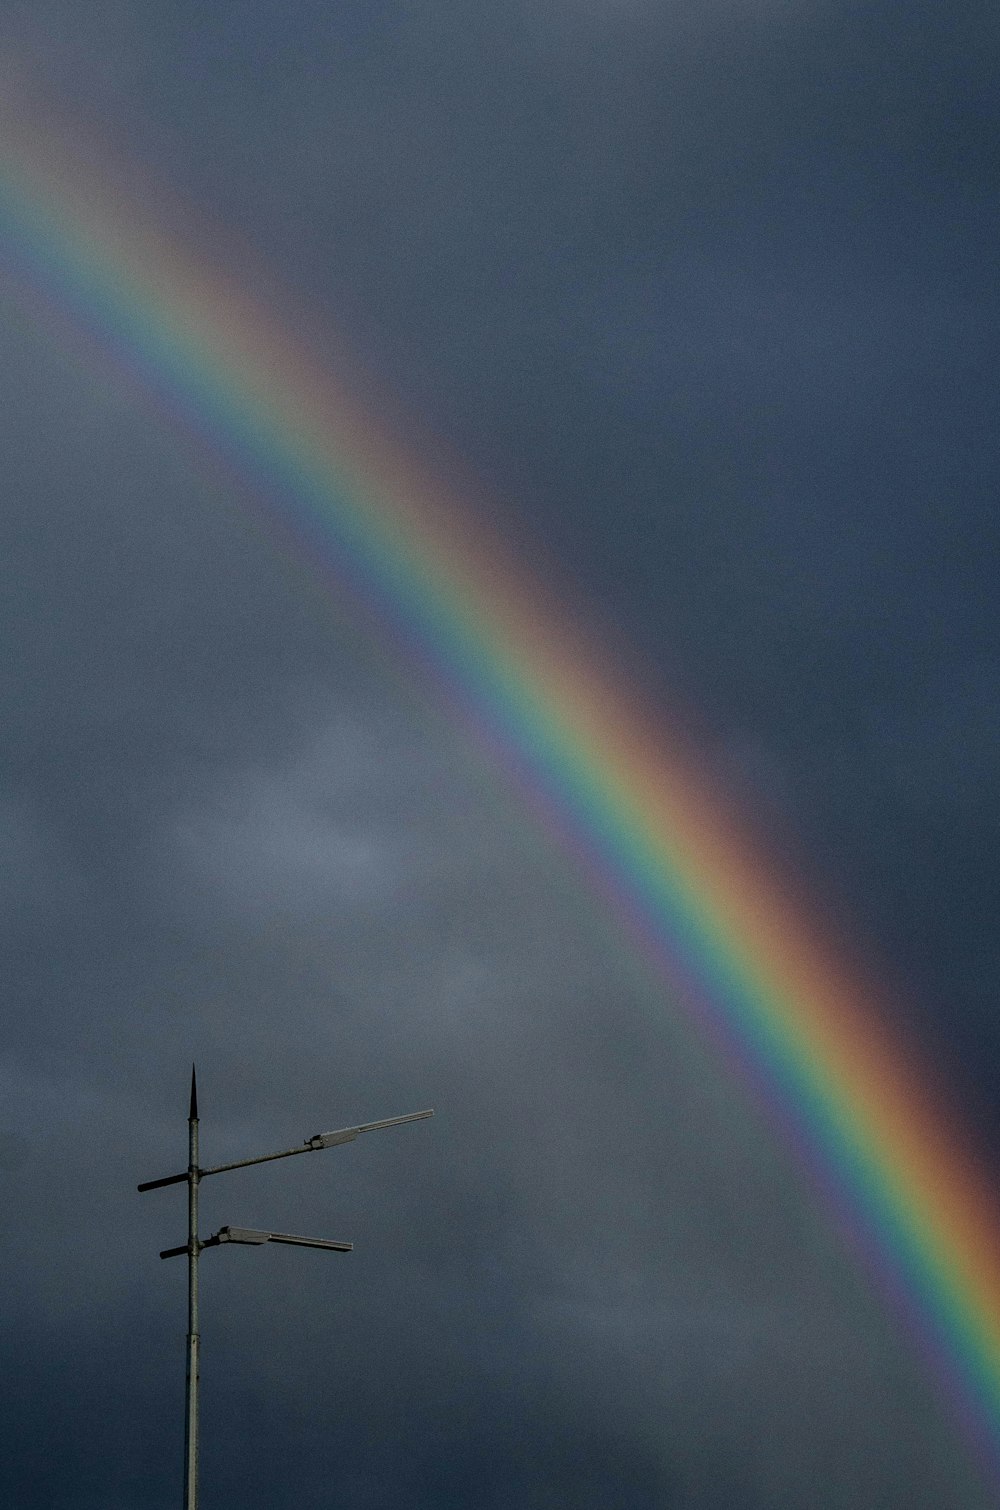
<point>695,891</point>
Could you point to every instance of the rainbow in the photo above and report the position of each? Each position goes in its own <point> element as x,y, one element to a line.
<point>694,888</point>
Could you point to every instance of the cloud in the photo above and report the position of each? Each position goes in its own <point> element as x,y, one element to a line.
<point>37,879</point>
<point>664,286</point>
<point>278,843</point>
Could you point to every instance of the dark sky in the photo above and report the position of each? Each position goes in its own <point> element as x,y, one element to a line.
<point>705,296</point>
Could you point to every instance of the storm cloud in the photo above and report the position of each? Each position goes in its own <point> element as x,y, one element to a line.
<point>704,298</point>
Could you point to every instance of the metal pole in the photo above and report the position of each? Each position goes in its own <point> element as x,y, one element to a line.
<point>191,1391</point>
<point>194,1245</point>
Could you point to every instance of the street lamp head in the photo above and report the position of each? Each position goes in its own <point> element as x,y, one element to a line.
<point>255,1238</point>
<point>331,1139</point>
<point>348,1134</point>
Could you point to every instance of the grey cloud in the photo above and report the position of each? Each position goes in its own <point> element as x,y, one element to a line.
<point>703,293</point>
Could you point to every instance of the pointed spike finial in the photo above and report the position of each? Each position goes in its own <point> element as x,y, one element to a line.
<point>193,1112</point>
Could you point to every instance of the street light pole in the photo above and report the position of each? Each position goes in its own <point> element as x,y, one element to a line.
<point>193,1338</point>
<point>247,1235</point>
